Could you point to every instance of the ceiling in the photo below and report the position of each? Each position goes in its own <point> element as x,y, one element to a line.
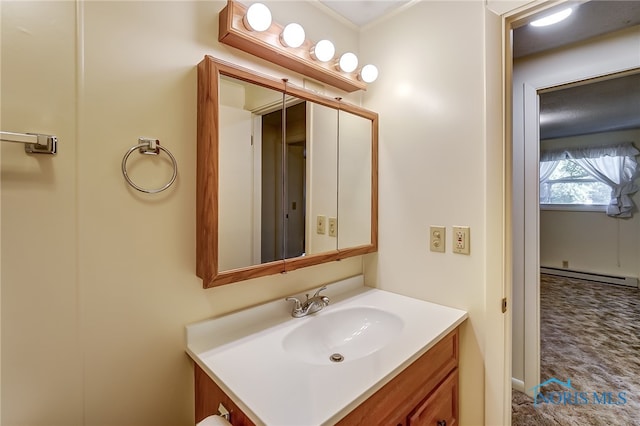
<point>587,108</point>
<point>600,106</point>
<point>587,20</point>
<point>363,12</point>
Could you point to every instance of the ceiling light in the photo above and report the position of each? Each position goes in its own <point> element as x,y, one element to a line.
<point>552,19</point>
<point>323,51</point>
<point>292,35</point>
<point>348,62</point>
<point>368,73</point>
<point>258,17</point>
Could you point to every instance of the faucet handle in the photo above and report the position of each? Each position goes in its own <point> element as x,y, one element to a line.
<point>317,293</point>
<point>297,306</point>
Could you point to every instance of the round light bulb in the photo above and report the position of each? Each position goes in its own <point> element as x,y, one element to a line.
<point>258,17</point>
<point>369,73</point>
<point>292,35</point>
<point>323,51</point>
<point>348,62</point>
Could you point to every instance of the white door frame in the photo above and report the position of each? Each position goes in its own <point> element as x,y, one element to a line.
<point>526,249</point>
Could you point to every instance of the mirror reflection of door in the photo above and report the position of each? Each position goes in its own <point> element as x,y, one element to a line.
<point>271,245</point>
<point>295,180</point>
<point>283,200</point>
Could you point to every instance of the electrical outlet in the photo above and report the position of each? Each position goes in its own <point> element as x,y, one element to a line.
<point>321,223</point>
<point>437,238</point>
<point>333,227</point>
<point>461,239</point>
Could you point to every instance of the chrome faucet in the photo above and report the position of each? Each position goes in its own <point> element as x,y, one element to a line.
<point>311,305</point>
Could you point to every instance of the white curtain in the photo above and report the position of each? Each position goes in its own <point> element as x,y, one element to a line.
<point>613,165</point>
<point>546,169</point>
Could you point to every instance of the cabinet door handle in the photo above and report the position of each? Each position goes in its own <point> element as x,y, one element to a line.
<point>442,423</point>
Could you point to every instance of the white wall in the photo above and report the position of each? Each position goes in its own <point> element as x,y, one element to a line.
<point>611,53</point>
<point>439,167</point>
<point>572,235</point>
<point>98,281</point>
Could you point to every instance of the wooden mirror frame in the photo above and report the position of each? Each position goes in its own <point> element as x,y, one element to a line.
<point>207,192</point>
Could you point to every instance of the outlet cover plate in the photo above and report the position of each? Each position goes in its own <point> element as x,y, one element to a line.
<point>461,239</point>
<point>333,227</point>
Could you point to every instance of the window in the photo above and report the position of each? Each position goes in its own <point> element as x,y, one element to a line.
<point>570,184</point>
<point>598,178</point>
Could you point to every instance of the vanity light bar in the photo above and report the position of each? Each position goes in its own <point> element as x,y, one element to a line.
<point>267,45</point>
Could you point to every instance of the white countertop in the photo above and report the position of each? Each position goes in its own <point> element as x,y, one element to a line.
<point>243,353</point>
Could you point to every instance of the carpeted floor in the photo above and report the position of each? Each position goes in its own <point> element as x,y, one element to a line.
<point>590,335</point>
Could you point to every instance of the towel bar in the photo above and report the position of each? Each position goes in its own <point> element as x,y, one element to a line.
<point>35,143</point>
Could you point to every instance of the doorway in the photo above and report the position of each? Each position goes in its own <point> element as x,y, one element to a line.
<point>283,196</point>
<point>553,69</point>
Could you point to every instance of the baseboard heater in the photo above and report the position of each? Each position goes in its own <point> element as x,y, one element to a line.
<point>591,276</point>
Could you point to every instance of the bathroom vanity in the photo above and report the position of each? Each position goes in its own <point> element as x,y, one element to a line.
<point>368,356</point>
<point>398,366</point>
<point>425,393</point>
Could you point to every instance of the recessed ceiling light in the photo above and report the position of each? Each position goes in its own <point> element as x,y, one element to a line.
<point>553,18</point>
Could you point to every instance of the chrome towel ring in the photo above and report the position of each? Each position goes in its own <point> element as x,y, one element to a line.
<point>149,147</point>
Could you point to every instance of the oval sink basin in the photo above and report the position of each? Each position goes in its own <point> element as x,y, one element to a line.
<point>343,335</point>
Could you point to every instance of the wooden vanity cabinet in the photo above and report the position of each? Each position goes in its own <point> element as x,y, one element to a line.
<point>441,407</point>
<point>209,396</point>
<point>425,393</point>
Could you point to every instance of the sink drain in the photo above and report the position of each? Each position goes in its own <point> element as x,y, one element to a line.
<point>336,358</point>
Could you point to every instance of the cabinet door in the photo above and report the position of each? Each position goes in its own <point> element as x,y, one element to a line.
<point>440,408</point>
<point>209,396</point>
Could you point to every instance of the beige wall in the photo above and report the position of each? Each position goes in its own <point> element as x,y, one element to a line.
<point>592,241</point>
<point>94,334</point>
<point>42,356</point>
<point>433,170</point>
<point>98,280</point>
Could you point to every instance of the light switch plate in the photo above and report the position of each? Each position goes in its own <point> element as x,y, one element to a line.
<point>461,239</point>
<point>437,239</point>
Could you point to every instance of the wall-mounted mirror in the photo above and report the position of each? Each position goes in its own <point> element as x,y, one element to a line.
<point>286,178</point>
